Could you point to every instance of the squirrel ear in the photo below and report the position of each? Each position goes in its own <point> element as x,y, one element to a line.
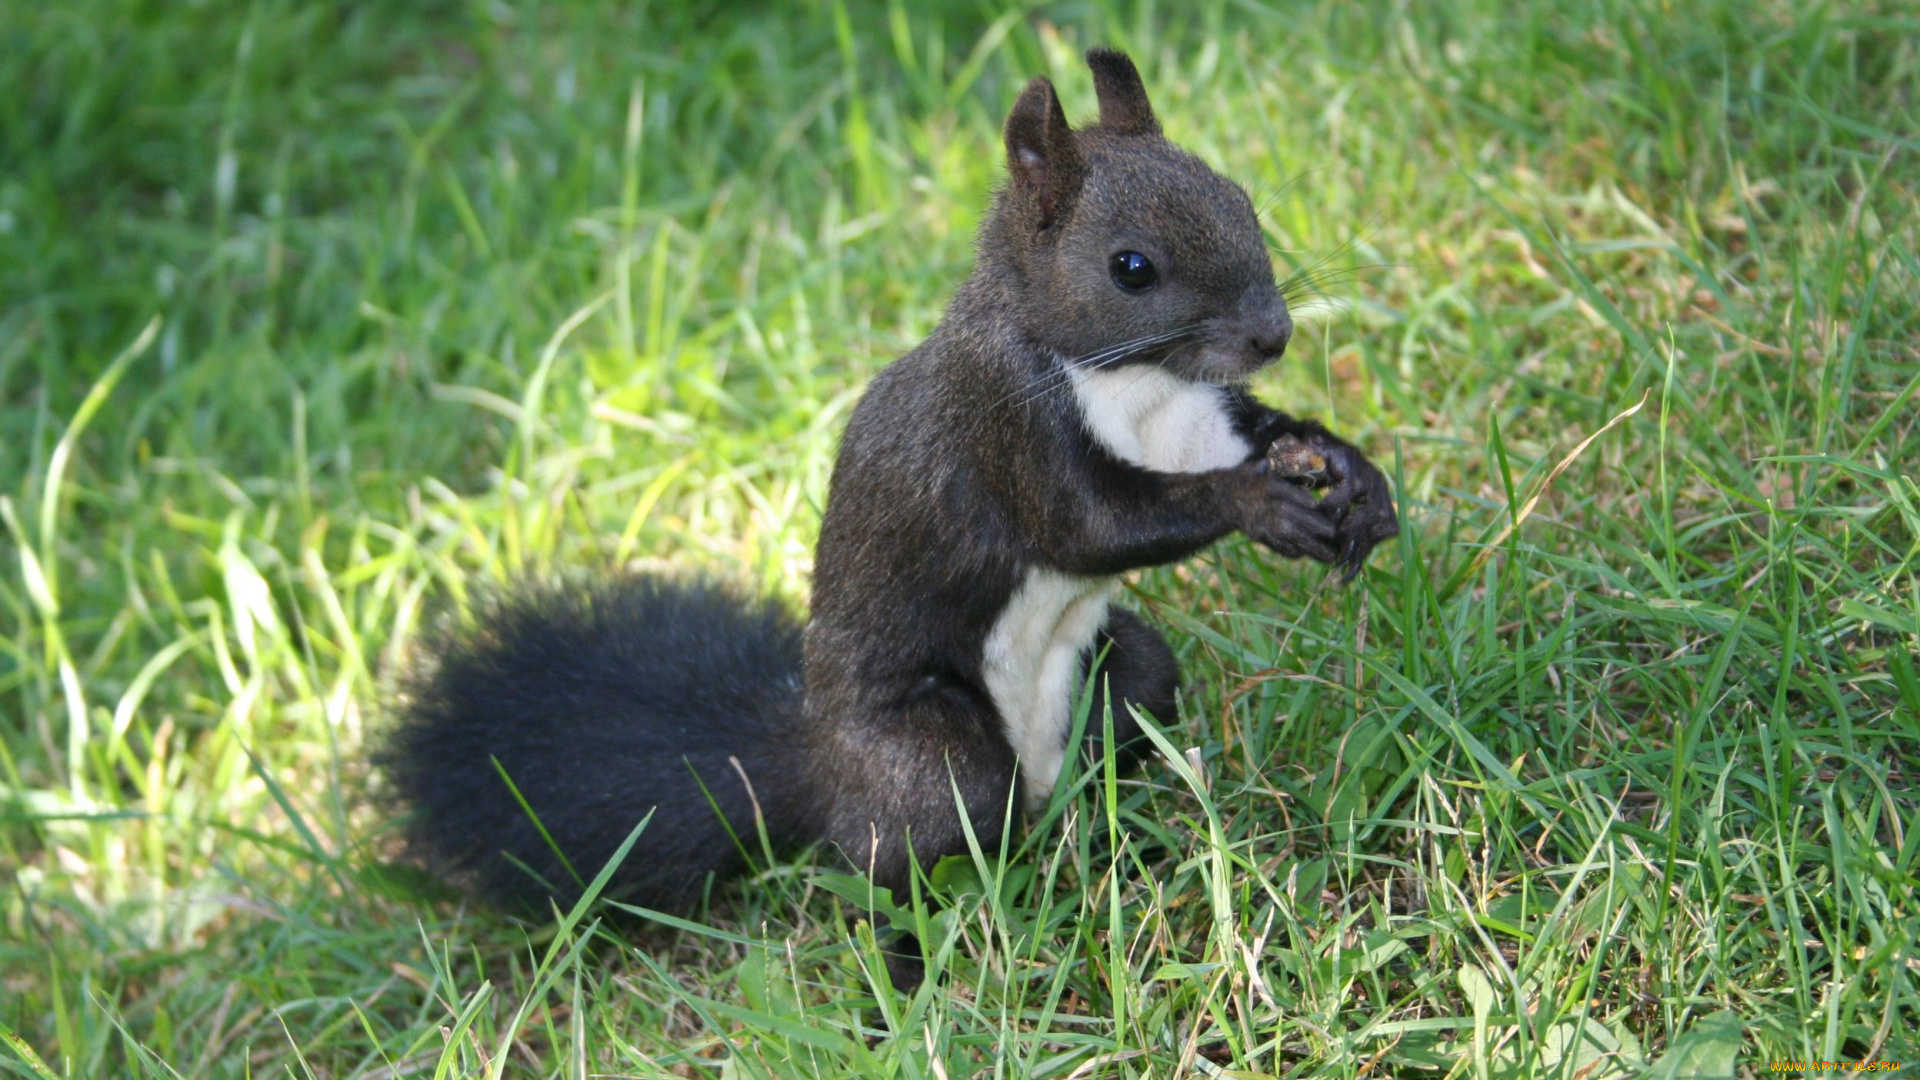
<point>1041,157</point>
<point>1124,107</point>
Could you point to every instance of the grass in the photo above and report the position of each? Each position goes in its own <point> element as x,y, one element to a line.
<point>314,319</point>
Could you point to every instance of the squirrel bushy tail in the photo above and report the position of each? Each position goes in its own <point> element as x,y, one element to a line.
<point>602,702</point>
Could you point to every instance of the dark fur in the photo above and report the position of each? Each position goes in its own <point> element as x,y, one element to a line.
<point>965,464</point>
<point>601,703</point>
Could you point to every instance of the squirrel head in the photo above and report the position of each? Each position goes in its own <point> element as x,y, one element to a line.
<point>1111,235</point>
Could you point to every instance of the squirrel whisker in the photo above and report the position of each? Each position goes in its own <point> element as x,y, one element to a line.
<point>1113,354</point>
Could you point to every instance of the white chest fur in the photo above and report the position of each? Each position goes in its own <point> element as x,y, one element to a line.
<point>1031,663</point>
<point>1157,420</point>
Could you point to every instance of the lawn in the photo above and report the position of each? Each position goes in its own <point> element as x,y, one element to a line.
<point>317,321</point>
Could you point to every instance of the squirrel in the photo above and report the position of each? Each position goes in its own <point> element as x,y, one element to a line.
<point>1079,412</point>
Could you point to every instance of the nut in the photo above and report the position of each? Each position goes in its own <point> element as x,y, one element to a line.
<point>1298,460</point>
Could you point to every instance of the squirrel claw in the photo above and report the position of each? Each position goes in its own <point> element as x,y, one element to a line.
<point>1351,562</point>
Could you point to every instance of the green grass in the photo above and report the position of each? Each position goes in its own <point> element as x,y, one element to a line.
<point>447,292</point>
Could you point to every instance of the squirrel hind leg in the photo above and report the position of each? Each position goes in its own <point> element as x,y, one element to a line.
<point>895,807</point>
<point>1134,666</point>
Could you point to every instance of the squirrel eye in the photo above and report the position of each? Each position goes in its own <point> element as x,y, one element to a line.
<point>1133,271</point>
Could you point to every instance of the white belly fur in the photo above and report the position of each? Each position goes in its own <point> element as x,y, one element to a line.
<point>1031,666</point>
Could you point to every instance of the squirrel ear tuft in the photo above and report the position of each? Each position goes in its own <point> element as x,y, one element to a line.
<point>1041,157</point>
<point>1124,107</point>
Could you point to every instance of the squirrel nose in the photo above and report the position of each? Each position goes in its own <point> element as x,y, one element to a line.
<point>1270,336</point>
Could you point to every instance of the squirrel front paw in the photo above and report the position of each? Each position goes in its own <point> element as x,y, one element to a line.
<point>1343,525</point>
<point>1359,503</point>
<point>1281,514</point>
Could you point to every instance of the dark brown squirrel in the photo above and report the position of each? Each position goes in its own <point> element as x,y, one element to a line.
<point>1079,412</point>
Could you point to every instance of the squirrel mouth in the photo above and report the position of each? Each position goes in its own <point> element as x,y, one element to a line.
<point>1222,360</point>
